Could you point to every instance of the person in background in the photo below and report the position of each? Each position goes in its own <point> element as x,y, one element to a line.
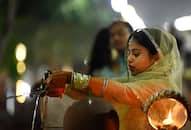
<point>155,64</point>
<point>107,55</point>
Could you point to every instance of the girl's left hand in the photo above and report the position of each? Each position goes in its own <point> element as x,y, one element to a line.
<point>56,83</point>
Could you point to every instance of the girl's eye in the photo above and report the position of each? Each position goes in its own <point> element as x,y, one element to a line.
<point>136,54</point>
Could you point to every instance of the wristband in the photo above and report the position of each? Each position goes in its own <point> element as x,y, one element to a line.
<point>80,81</point>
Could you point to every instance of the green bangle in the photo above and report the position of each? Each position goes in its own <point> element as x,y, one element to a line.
<point>80,81</point>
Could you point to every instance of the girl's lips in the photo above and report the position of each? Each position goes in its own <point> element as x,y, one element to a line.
<point>131,67</point>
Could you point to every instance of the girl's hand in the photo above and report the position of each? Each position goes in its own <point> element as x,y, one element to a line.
<point>56,83</point>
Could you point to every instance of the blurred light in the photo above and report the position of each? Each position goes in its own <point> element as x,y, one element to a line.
<point>129,14</point>
<point>67,68</point>
<point>183,23</point>
<point>21,52</point>
<point>22,88</point>
<point>166,26</point>
<point>119,5</point>
<point>86,61</point>
<point>21,67</point>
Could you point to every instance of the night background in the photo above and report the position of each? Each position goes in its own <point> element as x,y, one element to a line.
<point>59,34</point>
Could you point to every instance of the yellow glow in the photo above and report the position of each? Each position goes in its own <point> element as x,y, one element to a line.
<point>168,120</point>
<point>21,67</point>
<point>21,52</point>
<point>23,89</point>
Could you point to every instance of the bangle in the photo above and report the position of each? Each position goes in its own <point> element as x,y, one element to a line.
<point>80,81</point>
<point>105,83</point>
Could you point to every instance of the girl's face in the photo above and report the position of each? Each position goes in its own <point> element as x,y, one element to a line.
<point>139,58</point>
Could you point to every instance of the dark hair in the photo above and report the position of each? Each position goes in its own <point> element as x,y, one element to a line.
<point>101,53</point>
<point>128,25</point>
<point>144,40</point>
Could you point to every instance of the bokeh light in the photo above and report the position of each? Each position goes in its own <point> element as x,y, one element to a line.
<point>22,91</point>
<point>21,52</point>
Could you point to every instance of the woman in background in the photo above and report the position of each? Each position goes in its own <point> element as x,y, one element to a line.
<point>108,53</point>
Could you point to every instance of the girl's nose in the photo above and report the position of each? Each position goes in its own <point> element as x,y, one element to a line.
<point>130,58</point>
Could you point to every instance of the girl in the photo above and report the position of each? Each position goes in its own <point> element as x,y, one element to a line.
<point>154,63</point>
